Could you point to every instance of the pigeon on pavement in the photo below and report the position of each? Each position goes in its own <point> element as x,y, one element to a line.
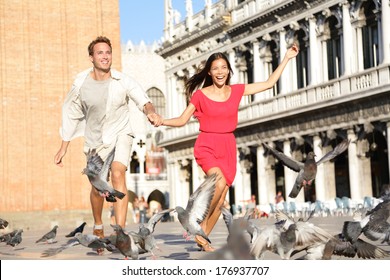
<point>49,237</point>
<point>86,240</point>
<point>287,236</point>
<point>3,224</point>
<point>98,172</point>
<point>16,239</point>
<point>76,230</point>
<point>307,171</point>
<point>125,243</point>
<point>144,238</point>
<point>197,208</point>
<point>7,236</point>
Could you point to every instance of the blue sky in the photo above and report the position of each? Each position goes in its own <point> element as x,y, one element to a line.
<point>144,20</point>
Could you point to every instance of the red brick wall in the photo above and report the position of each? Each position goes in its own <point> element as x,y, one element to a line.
<point>43,45</point>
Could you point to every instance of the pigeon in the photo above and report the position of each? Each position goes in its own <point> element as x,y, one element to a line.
<point>49,237</point>
<point>144,238</point>
<point>3,224</point>
<point>275,239</point>
<point>342,247</point>
<point>287,236</point>
<point>306,171</point>
<point>7,236</point>
<point>375,224</point>
<point>197,208</point>
<point>16,239</point>
<point>242,224</point>
<point>86,240</point>
<point>378,226</point>
<point>237,247</point>
<point>125,243</point>
<point>76,230</point>
<point>97,172</point>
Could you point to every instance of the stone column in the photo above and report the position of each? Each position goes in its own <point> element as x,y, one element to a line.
<point>314,66</point>
<point>232,61</point>
<point>196,180</point>
<point>245,191</point>
<point>183,182</point>
<point>258,70</point>
<point>324,60</point>
<point>359,44</point>
<point>385,31</point>
<point>329,176</point>
<point>359,169</point>
<point>189,14</point>
<point>320,177</point>
<point>388,142</point>
<point>174,182</point>
<point>266,177</point>
<point>348,46</point>
<point>285,79</point>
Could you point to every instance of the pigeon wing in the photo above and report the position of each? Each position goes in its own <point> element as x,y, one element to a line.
<point>286,160</point>
<point>103,174</point>
<point>199,202</point>
<point>156,218</point>
<point>335,152</point>
<point>94,162</point>
<point>227,217</point>
<point>308,234</point>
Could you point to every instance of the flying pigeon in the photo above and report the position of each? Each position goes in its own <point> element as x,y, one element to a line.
<point>378,226</point>
<point>3,224</point>
<point>342,247</point>
<point>76,230</point>
<point>374,224</point>
<point>125,243</point>
<point>49,237</point>
<point>98,172</point>
<point>307,171</point>
<point>86,240</point>
<point>16,239</point>
<point>144,238</point>
<point>197,208</point>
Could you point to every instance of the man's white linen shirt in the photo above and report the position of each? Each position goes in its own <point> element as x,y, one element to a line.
<point>117,119</point>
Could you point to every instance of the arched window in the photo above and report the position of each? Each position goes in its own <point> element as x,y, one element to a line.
<point>158,100</point>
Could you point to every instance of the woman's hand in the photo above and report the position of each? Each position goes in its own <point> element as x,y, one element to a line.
<point>292,52</point>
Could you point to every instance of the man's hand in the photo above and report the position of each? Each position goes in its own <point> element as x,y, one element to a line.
<point>155,119</point>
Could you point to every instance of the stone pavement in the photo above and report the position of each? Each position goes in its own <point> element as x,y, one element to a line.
<point>168,235</point>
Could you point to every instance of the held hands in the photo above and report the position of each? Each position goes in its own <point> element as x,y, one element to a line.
<point>292,52</point>
<point>155,119</point>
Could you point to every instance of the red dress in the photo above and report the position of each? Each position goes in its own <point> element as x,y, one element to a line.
<point>216,144</point>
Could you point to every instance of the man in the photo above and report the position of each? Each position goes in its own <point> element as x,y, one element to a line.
<point>97,108</point>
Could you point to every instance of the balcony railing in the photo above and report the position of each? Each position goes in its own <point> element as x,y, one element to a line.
<point>368,82</point>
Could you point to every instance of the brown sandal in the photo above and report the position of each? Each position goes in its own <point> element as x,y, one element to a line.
<point>203,244</point>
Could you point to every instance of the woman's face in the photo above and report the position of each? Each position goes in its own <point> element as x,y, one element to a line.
<point>219,71</point>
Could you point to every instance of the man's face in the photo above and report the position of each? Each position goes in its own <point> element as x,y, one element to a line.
<point>102,57</point>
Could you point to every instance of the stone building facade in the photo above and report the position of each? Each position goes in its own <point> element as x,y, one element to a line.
<point>337,88</point>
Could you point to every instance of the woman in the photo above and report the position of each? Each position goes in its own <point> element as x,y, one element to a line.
<point>216,108</point>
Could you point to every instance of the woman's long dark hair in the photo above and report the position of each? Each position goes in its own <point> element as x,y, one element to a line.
<point>203,77</point>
